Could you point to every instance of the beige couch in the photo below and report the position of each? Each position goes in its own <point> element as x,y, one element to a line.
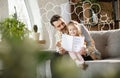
<point>108,43</point>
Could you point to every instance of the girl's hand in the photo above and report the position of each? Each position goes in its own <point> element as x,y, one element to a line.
<point>83,51</point>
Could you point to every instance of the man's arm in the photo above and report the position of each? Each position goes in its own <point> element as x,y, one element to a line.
<point>90,45</point>
<point>59,48</point>
<point>85,32</point>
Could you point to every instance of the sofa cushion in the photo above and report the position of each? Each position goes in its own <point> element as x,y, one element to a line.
<point>100,38</point>
<point>114,43</point>
<point>107,42</point>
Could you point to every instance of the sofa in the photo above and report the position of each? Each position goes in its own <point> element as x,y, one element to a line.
<point>108,43</point>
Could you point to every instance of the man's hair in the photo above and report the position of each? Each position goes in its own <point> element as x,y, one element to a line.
<point>54,18</point>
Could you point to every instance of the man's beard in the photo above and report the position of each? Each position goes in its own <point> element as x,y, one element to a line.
<point>64,30</point>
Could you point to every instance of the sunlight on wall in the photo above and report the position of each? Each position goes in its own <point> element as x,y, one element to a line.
<point>35,15</point>
<point>47,10</point>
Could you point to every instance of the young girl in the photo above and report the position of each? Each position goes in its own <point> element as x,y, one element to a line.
<point>75,30</point>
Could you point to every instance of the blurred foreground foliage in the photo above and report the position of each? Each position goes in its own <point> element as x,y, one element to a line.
<point>18,53</point>
<point>20,58</point>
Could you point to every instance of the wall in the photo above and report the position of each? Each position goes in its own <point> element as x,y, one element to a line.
<point>3,9</point>
<point>47,10</point>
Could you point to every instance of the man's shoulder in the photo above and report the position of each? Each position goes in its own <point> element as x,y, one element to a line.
<point>58,33</point>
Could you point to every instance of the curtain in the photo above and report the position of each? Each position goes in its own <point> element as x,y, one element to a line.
<point>18,8</point>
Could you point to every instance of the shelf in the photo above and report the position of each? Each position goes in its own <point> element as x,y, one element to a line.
<point>41,41</point>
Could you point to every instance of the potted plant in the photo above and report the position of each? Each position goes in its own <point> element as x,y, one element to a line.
<point>12,28</point>
<point>20,55</point>
<point>16,51</point>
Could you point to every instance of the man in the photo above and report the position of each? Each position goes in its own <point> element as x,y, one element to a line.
<point>89,53</point>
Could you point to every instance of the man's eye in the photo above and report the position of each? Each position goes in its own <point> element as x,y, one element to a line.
<point>58,26</point>
<point>62,23</point>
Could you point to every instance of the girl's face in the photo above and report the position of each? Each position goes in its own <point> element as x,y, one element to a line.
<point>73,31</point>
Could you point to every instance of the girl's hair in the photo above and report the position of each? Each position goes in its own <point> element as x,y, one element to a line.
<point>75,24</point>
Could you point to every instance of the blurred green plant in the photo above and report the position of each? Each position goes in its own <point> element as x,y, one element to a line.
<point>19,58</point>
<point>18,51</point>
<point>11,27</point>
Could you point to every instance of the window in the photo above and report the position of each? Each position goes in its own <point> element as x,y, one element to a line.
<point>18,7</point>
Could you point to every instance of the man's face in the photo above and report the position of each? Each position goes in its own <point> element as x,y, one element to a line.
<point>59,25</point>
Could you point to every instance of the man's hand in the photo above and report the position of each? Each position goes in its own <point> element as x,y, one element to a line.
<point>62,50</point>
<point>58,44</point>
